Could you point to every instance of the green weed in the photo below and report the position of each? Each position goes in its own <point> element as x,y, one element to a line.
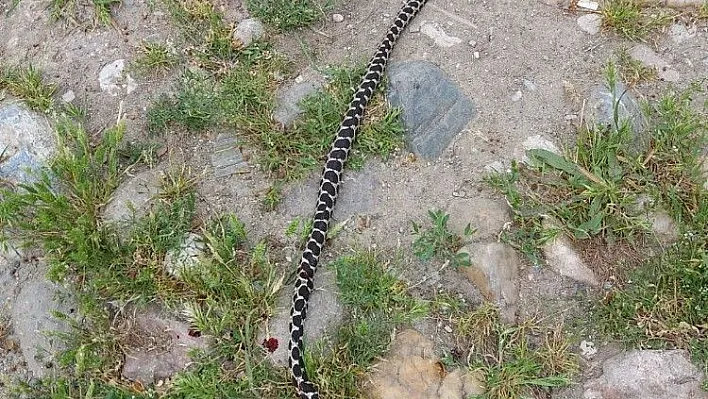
<point>72,11</point>
<point>286,15</point>
<point>28,85</point>
<point>439,242</point>
<point>154,58</point>
<point>633,71</point>
<point>634,19</point>
<point>666,304</point>
<point>513,361</point>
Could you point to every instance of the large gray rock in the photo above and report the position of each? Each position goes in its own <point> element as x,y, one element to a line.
<point>160,347</point>
<point>647,374</point>
<point>495,270</point>
<point>33,320</point>
<point>26,142</point>
<point>434,108</point>
<point>134,195</point>
<point>227,159</point>
<point>601,110</point>
<point>288,103</point>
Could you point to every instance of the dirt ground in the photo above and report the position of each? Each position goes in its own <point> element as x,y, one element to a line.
<point>506,46</point>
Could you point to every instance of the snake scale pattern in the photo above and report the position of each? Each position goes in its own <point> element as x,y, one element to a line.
<point>327,196</point>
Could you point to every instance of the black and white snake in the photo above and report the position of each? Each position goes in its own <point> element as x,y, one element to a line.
<point>327,196</point>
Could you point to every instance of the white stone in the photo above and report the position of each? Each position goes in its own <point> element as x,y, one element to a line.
<point>337,18</point>
<point>68,97</point>
<point>587,4</point>
<point>590,23</point>
<point>186,256</point>
<point>249,30</point>
<point>441,38</point>
<point>517,96</point>
<point>564,260</point>
<point>587,349</point>
<point>111,76</point>
<point>679,33</point>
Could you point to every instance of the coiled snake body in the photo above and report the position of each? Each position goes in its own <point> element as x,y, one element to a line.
<point>327,196</point>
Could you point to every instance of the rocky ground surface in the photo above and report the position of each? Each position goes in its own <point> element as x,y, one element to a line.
<point>479,82</point>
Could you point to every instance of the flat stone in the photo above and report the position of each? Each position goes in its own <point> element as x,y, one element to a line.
<point>681,3</point>
<point>601,109</point>
<point>588,4</point>
<point>564,260</point>
<point>411,370</point>
<point>249,30</point>
<point>318,324</point>
<point>227,158</point>
<point>535,142</point>
<point>590,23</point>
<point>32,320</point>
<point>664,228</point>
<point>494,271</point>
<point>647,374</point>
<point>162,347</point>
<point>112,80</point>
<point>648,57</point>
<point>440,38</point>
<point>680,33</point>
<point>135,194</point>
<point>487,216</point>
<point>26,143</point>
<point>186,257</point>
<point>288,98</point>
<point>433,123</point>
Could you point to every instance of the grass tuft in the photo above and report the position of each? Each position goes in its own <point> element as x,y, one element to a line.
<point>597,190</point>
<point>285,15</point>
<point>155,58</point>
<point>439,242</point>
<point>28,84</point>
<point>525,360</point>
<point>634,19</point>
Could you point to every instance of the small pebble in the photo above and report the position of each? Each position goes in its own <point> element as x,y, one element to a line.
<point>448,329</point>
<point>337,18</point>
<point>517,96</point>
<point>472,43</point>
<point>475,54</point>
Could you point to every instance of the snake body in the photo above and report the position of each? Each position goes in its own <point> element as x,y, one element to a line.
<point>327,196</point>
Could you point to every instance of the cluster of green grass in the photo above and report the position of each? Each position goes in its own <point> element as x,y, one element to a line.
<point>286,15</point>
<point>633,71</point>
<point>635,19</point>
<point>71,11</point>
<point>234,88</point>
<point>28,84</point>
<point>376,302</point>
<point>525,360</point>
<point>438,242</point>
<point>155,58</point>
<point>595,191</point>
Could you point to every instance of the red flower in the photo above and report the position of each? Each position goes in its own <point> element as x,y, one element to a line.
<point>271,344</point>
